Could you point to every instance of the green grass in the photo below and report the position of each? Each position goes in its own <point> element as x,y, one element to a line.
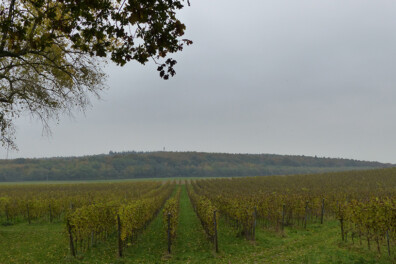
<point>317,244</point>
<point>35,243</point>
<point>48,243</point>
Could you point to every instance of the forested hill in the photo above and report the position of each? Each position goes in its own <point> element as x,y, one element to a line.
<point>128,165</point>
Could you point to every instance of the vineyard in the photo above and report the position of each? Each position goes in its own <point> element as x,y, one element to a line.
<point>343,217</point>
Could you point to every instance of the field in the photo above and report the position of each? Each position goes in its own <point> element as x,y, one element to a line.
<point>259,220</point>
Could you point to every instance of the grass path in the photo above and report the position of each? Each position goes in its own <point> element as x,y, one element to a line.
<point>150,245</point>
<point>191,244</point>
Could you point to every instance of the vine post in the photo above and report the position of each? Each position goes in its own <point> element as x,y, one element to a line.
<point>6,212</point>
<point>119,236</point>
<point>73,252</point>
<point>306,214</point>
<point>283,216</point>
<point>169,233</point>
<point>342,228</point>
<point>50,213</point>
<point>387,242</point>
<point>254,224</point>
<point>28,214</point>
<point>341,221</point>
<point>215,232</point>
<point>368,239</point>
<point>92,238</point>
<point>322,214</point>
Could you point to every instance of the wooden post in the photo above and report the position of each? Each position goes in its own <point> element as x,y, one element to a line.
<point>169,234</point>
<point>215,231</point>
<point>341,221</point>
<point>283,216</point>
<point>254,224</point>
<point>387,241</point>
<point>368,239</point>
<point>28,215</point>
<point>306,214</point>
<point>119,236</point>
<point>342,228</point>
<point>360,237</point>
<point>92,238</point>
<point>6,212</point>
<point>322,215</point>
<point>50,213</point>
<point>73,252</point>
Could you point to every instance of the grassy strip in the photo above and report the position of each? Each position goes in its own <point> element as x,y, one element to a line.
<point>191,244</point>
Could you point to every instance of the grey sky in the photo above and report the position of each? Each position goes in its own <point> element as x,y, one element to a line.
<point>282,76</point>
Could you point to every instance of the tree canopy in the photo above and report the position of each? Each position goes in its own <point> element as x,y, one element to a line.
<point>50,50</point>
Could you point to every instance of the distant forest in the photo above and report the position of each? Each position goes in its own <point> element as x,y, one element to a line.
<point>130,165</point>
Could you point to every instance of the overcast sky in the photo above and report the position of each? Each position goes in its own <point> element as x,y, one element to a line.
<point>302,77</point>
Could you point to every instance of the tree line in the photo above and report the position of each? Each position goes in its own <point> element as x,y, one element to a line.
<point>130,165</point>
